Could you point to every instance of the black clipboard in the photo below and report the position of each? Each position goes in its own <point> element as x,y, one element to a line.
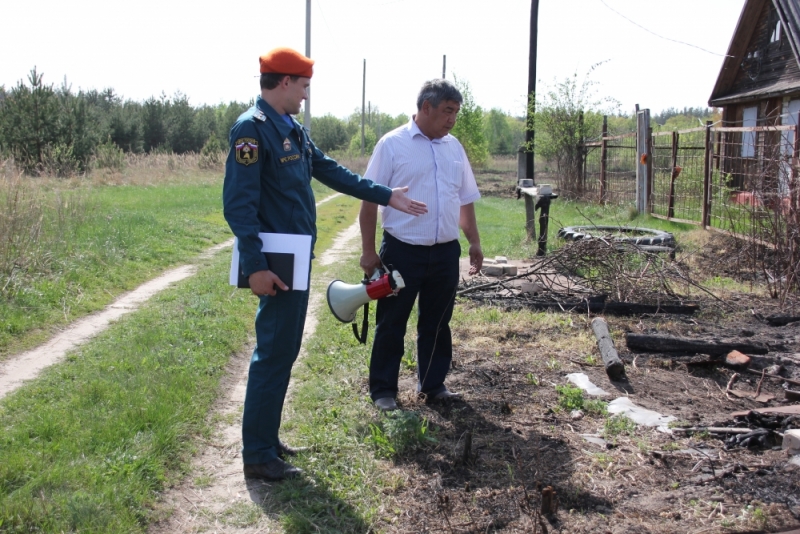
<point>280,263</point>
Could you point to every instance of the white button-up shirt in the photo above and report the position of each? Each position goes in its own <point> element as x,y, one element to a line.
<point>436,171</point>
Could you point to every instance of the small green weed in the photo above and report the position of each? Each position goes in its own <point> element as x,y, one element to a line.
<point>399,432</point>
<point>570,397</point>
<point>603,460</point>
<point>409,361</point>
<point>596,407</point>
<point>619,424</point>
<point>553,364</point>
<point>532,379</point>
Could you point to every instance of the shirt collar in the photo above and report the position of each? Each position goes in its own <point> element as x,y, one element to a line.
<point>280,123</point>
<point>414,130</point>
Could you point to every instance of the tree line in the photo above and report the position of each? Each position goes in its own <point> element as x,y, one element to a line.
<point>50,129</point>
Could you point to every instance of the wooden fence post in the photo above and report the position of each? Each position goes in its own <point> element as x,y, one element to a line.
<point>642,128</point>
<point>707,172</point>
<point>530,209</point>
<point>581,185</point>
<point>794,194</point>
<point>673,175</point>
<point>603,159</point>
<point>650,166</point>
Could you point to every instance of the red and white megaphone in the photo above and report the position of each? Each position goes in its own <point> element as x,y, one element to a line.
<point>345,299</point>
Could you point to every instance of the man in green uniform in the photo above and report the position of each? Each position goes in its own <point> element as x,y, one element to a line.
<point>267,188</point>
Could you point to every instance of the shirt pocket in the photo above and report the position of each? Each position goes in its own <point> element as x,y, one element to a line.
<point>451,175</point>
<point>291,170</point>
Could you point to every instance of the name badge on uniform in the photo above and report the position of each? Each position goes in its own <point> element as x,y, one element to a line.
<point>287,145</point>
<point>289,159</point>
<point>246,150</point>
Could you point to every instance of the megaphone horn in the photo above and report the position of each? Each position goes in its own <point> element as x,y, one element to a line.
<point>345,299</point>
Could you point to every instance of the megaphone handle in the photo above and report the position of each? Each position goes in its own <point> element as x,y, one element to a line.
<point>364,326</point>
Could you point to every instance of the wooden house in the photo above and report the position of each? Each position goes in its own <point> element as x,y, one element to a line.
<point>759,85</point>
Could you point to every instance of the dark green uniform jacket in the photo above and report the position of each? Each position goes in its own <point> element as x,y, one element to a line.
<point>268,182</point>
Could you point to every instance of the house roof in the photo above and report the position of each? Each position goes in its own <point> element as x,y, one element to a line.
<point>789,13</point>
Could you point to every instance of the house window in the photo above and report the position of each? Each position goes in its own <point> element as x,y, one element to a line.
<point>749,138</point>
<point>776,33</point>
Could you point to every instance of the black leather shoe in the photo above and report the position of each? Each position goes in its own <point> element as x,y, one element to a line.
<point>386,404</point>
<point>275,469</point>
<point>285,450</point>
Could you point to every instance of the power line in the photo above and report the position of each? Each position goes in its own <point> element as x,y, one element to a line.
<point>661,36</point>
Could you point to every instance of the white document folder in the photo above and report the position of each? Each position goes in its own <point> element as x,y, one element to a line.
<point>299,245</point>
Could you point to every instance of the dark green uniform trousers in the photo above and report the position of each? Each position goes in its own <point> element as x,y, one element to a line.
<point>279,331</point>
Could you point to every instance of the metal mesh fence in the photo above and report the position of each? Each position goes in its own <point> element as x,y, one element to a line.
<point>611,172</point>
<point>678,174</point>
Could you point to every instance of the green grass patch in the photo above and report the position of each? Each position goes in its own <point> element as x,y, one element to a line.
<point>88,445</point>
<point>98,242</point>
<point>501,222</point>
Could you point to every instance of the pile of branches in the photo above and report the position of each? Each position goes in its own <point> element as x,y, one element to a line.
<point>624,271</point>
<point>591,271</point>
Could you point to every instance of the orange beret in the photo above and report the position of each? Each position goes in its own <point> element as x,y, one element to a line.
<point>286,61</point>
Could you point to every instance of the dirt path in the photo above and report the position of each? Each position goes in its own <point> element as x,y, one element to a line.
<point>27,365</point>
<point>215,497</point>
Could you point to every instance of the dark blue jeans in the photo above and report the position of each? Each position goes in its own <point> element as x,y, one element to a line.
<point>279,331</point>
<point>432,273</point>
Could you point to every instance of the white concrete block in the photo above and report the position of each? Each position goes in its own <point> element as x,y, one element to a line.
<point>510,270</point>
<point>501,259</point>
<point>493,270</point>
<point>791,441</point>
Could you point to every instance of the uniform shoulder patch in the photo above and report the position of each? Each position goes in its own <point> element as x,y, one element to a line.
<point>259,115</point>
<point>246,150</point>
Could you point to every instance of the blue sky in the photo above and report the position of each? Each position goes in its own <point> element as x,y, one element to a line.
<point>209,49</point>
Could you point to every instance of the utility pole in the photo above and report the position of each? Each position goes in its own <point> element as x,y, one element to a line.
<point>307,112</point>
<point>444,65</point>
<point>529,133</point>
<point>363,99</point>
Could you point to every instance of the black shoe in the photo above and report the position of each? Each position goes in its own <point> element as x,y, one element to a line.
<point>386,404</point>
<point>441,397</point>
<point>285,450</point>
<point>275,469</point>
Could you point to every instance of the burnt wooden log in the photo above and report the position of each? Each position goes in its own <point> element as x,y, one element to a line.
<point>549,501</point>
<point>677,345</point>
<point>781,320</point>
<point>615,369</point>
<point>594,304</point>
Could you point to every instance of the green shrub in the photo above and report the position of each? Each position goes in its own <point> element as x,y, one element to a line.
<point>109,156</point>
<point>213,154</point>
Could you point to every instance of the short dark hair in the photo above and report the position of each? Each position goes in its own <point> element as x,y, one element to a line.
<point>271,80</point>
<point>438,90</point>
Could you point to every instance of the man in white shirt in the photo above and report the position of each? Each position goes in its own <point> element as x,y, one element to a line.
<point>425,250</point>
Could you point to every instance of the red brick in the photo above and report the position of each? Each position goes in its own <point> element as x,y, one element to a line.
<point>737,360</point>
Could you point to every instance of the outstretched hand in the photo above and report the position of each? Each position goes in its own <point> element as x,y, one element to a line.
<point>401,202</point>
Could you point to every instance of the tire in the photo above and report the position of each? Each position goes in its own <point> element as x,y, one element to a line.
<point>638,236</point>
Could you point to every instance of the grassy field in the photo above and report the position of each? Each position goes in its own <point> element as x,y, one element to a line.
<point>72,247</point>
<point>88,446</point>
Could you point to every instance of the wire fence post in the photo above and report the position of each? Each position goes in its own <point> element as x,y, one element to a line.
<point>673,176</point>
<point>603,159</point>
<point>707,171</point>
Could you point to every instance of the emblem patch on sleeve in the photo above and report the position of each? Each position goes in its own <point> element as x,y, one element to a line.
<point>246,150</point>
